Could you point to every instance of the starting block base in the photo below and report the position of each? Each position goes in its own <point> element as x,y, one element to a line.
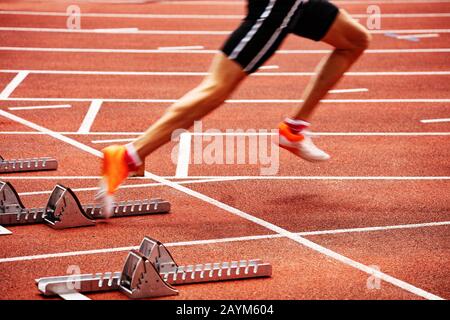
<point>152,272</point>
<point>64,210</point>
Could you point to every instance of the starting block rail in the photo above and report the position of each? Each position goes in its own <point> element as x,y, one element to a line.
<point>25,216</point>
<point>130,208</point>
<point>64,210</point>
<point>152,272</point>
<point>26,165</point>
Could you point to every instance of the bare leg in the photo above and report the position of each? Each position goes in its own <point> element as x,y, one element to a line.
<point>349,39</point>
<point>224,77</point>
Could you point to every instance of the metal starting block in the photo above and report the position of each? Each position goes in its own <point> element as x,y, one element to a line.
<point>151,272</point>
<point>25,165</point>
<point>63,209</point>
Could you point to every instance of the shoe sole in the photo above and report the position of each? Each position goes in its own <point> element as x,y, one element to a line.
<point>298,154</point>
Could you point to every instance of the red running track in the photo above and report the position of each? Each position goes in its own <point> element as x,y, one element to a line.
<point>382,200</point>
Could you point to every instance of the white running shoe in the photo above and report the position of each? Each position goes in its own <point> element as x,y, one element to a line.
<point>300,144</point>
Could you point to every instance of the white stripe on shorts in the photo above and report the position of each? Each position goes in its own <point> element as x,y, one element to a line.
<point>253,30</point>
<point>274,36</point>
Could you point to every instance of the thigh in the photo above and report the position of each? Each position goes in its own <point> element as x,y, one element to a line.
<point>261,33</point>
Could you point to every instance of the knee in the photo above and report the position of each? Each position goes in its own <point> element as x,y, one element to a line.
<point>360,40</point>
<point>205,97</point>
<point>365,39</point>
<point>216,90</point>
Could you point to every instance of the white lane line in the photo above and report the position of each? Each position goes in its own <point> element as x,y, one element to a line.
<point>189,32</point>
<point>426,35</point>
<point>15,82</point>
<point>294,237</point>
<point>119,30</point>
<point>181,48</point>
<point>73,296</point>
<point>61,106</point>
<point>380,134</point>
<point>212,179</point>
<point>325,134</point>
<point>92,133</point>
<point>131,186</point>
<point>100,50</point>
<point>338,101</point>
<point>123,1</point>
<point>228,178</point>
<point>404,15</point>
<point>234,3</point>
<point>89,119</point>
<point>109,32</point>
<point>4,231</point>
<point>386,1</point>
<point>66,254</point>
<point>112,141</point>
<point>127,15</point>
<point>51,133</point>
<point>227,240</point>
<point>241,101</point>
<point>435,120</point>
<point>200,74</point>
<point>269,67</point>
<point>57,177</point>
<point>200,16</point>
<point>381,228</point>
<point>343,178</point>
<point>148,51</point>
<point>206,2</point>
<point>184,155</point>
<point>349,90</point>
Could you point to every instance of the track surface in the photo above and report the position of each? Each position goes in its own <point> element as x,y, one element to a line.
<point>388,169</point>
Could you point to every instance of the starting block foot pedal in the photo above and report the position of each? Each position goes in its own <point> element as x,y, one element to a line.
<point>140,279</point>
<point>151,272</point>
<point>12,210</point>
<point>26,165</point>
<point>9,198</point>
<point>64,210</point>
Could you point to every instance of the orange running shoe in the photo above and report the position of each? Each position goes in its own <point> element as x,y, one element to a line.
<point>115,170</point>
<point>300,143</point>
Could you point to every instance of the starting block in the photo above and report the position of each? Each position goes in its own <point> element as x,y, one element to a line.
<point>151,272</point>
<point>26,165</point>
<point>64,210</point>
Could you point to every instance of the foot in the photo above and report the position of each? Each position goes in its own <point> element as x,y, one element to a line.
<point>300,143</point>
<point>116,168</point>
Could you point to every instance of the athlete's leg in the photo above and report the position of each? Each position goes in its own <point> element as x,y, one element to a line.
<point>120,161</point>
<point>224,77</point>
<point>349,39</point>
<point>257,38</point>
<point>320,20</point>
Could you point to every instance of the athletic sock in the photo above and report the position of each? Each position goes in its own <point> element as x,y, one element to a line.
<point>132,157</point>
<point>296,126</point>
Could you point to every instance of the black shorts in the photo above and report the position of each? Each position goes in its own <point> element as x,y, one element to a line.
<point>267,24</point>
